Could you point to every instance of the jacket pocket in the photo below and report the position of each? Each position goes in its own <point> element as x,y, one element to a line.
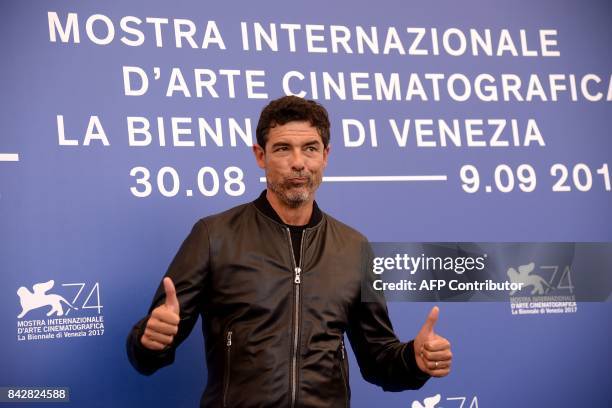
<point>344,373</point>
<point>227,366</point>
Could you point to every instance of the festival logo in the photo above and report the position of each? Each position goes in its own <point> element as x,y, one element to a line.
<point>40,298</point>
<point>51,311</point>
<point>527,278</point>
<point>547,289</point>
<point>449,402</point>
<point>429,402</point>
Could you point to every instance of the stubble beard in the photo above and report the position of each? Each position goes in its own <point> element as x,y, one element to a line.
<point>293,196</point>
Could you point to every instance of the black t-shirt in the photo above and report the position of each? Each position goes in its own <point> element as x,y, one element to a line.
<point>264,206</point>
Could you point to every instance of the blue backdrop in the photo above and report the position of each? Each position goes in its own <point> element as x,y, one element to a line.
<point>91,201</point>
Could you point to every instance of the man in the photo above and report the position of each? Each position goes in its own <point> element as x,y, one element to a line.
<point>278,283</point>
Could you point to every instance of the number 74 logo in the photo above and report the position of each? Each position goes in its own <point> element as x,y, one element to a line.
<point>88,303</point>
<point>432,402</point>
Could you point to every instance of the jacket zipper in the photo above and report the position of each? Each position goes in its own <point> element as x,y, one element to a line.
<point>343,373</point>
<point>296,314</point>
<point>228,347</point>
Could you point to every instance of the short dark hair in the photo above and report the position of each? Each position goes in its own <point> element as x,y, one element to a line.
<point>289,109</point>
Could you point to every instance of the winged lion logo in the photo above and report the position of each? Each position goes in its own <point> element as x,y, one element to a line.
<point>40,298</point>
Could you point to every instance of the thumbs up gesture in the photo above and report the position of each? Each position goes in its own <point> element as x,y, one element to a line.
<point>432,352</point>
<point>162,326</point>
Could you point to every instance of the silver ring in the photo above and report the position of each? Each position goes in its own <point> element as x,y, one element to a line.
<point>436,364</point>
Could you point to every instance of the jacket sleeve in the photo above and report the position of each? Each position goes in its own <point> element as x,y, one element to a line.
<point>382,358</point>
<point>188,271</point>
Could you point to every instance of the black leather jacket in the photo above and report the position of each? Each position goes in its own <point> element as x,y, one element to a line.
<point>274,330</point>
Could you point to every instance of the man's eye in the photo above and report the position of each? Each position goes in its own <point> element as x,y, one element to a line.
<point>312,149</point>
<point>281,149</point>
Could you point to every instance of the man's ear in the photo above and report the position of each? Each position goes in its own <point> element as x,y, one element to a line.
<point>260,154</point>
<point>326,154</point>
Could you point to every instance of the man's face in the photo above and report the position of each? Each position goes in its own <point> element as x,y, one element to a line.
<point>294,159</point>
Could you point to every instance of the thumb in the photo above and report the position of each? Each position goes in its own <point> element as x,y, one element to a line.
<point>432,318</point>
<point>171,300</point>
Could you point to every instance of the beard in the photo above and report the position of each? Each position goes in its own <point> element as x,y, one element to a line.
<point>295,194</point>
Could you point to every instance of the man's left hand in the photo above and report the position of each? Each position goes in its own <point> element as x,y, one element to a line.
<point>432,352</point>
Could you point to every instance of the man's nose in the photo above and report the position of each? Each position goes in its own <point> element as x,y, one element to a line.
<point>297,160</point>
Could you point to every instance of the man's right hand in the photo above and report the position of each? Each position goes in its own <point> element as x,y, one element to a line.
<point>162,326</point>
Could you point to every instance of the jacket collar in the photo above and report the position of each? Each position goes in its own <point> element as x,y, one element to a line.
<point>265,207</point>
